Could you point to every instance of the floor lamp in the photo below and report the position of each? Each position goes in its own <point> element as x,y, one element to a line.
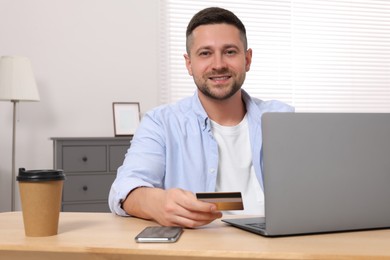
<point>17,83</point>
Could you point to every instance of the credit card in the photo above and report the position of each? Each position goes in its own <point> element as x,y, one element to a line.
<point>223,200</point>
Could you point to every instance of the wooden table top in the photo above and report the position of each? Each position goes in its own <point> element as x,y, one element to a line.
<point>107,236</point>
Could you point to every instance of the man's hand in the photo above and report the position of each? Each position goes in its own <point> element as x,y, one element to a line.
<point>174,207</point>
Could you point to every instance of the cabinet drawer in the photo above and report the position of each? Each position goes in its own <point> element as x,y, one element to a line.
<point>86,207</point>
<point>87,187</point>
<point>117,155</point>
<point>84,158</point>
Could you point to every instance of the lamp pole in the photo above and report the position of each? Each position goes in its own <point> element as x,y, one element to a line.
<point>13,180</point>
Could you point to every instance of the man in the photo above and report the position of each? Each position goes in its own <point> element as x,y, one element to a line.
<point>208,142</point>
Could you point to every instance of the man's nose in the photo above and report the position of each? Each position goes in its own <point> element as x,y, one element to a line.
<point>218,62</point>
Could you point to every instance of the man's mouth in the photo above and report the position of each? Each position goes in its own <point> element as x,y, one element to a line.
<point>219,78</point>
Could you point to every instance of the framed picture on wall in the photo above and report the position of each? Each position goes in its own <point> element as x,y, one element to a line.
<point>126,117</point>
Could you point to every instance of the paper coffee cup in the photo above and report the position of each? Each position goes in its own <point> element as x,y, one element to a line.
<point>40,195</point>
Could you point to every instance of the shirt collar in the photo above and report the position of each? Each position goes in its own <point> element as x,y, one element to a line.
<point>202,115</point>
<point>200,112</point>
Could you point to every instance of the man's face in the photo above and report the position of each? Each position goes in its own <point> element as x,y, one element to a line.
<point>217,60</point>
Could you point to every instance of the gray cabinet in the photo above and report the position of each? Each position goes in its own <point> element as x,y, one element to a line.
<point>90,166</point>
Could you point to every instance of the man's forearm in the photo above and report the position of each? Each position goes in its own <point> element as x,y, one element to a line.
<point>140,201</point>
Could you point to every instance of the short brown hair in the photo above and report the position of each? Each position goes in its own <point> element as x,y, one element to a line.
<point>215,15</point>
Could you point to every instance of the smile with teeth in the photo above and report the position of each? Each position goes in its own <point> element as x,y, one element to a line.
<point>220,78</point>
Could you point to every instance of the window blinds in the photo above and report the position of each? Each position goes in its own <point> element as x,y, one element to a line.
<point>319,56</point>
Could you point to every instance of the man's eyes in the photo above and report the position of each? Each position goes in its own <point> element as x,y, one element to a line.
<point>208,53</point>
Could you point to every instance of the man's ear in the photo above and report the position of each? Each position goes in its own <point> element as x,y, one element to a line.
<point>248,59</point>
<point>188,63</point>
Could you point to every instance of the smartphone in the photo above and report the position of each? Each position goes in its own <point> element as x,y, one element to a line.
<point>159,234</point>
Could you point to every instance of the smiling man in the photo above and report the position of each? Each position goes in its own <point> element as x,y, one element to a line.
<point>204,143</point>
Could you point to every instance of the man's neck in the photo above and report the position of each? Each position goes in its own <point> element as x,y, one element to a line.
<point>227,112</point>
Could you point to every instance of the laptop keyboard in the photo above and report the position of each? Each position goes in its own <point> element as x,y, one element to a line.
<point>257,225</point>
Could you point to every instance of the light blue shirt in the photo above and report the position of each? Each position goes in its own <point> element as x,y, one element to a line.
<point>174,148</point>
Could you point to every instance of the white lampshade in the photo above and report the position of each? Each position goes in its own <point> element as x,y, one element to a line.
<point>17,80</point>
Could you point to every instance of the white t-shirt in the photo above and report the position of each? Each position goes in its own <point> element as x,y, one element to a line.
<point>235,169</point>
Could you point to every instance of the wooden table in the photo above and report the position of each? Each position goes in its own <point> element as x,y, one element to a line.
<point>106,236</point>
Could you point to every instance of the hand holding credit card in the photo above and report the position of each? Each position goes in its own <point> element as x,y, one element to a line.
<point>223,200</point>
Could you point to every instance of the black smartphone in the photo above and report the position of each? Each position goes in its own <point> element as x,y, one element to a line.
<point>159,234</point>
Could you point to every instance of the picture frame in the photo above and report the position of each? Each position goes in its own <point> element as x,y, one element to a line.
<point>126,118</point>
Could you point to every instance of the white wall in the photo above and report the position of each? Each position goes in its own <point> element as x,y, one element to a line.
<point>85,54</point>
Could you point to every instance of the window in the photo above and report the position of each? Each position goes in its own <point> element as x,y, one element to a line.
<point>319,56</point>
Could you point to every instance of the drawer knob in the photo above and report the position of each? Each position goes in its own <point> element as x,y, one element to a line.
<point>85,188</point>
<point>85,158</point>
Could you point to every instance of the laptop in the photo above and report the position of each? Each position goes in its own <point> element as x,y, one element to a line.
<point>323,172</point>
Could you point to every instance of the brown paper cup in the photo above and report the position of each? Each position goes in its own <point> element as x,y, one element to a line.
<point>41,205</point>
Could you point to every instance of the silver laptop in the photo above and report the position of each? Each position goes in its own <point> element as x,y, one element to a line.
<point>323,172</point>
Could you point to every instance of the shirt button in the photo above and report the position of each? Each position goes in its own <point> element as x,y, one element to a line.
<point>211,170</point>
